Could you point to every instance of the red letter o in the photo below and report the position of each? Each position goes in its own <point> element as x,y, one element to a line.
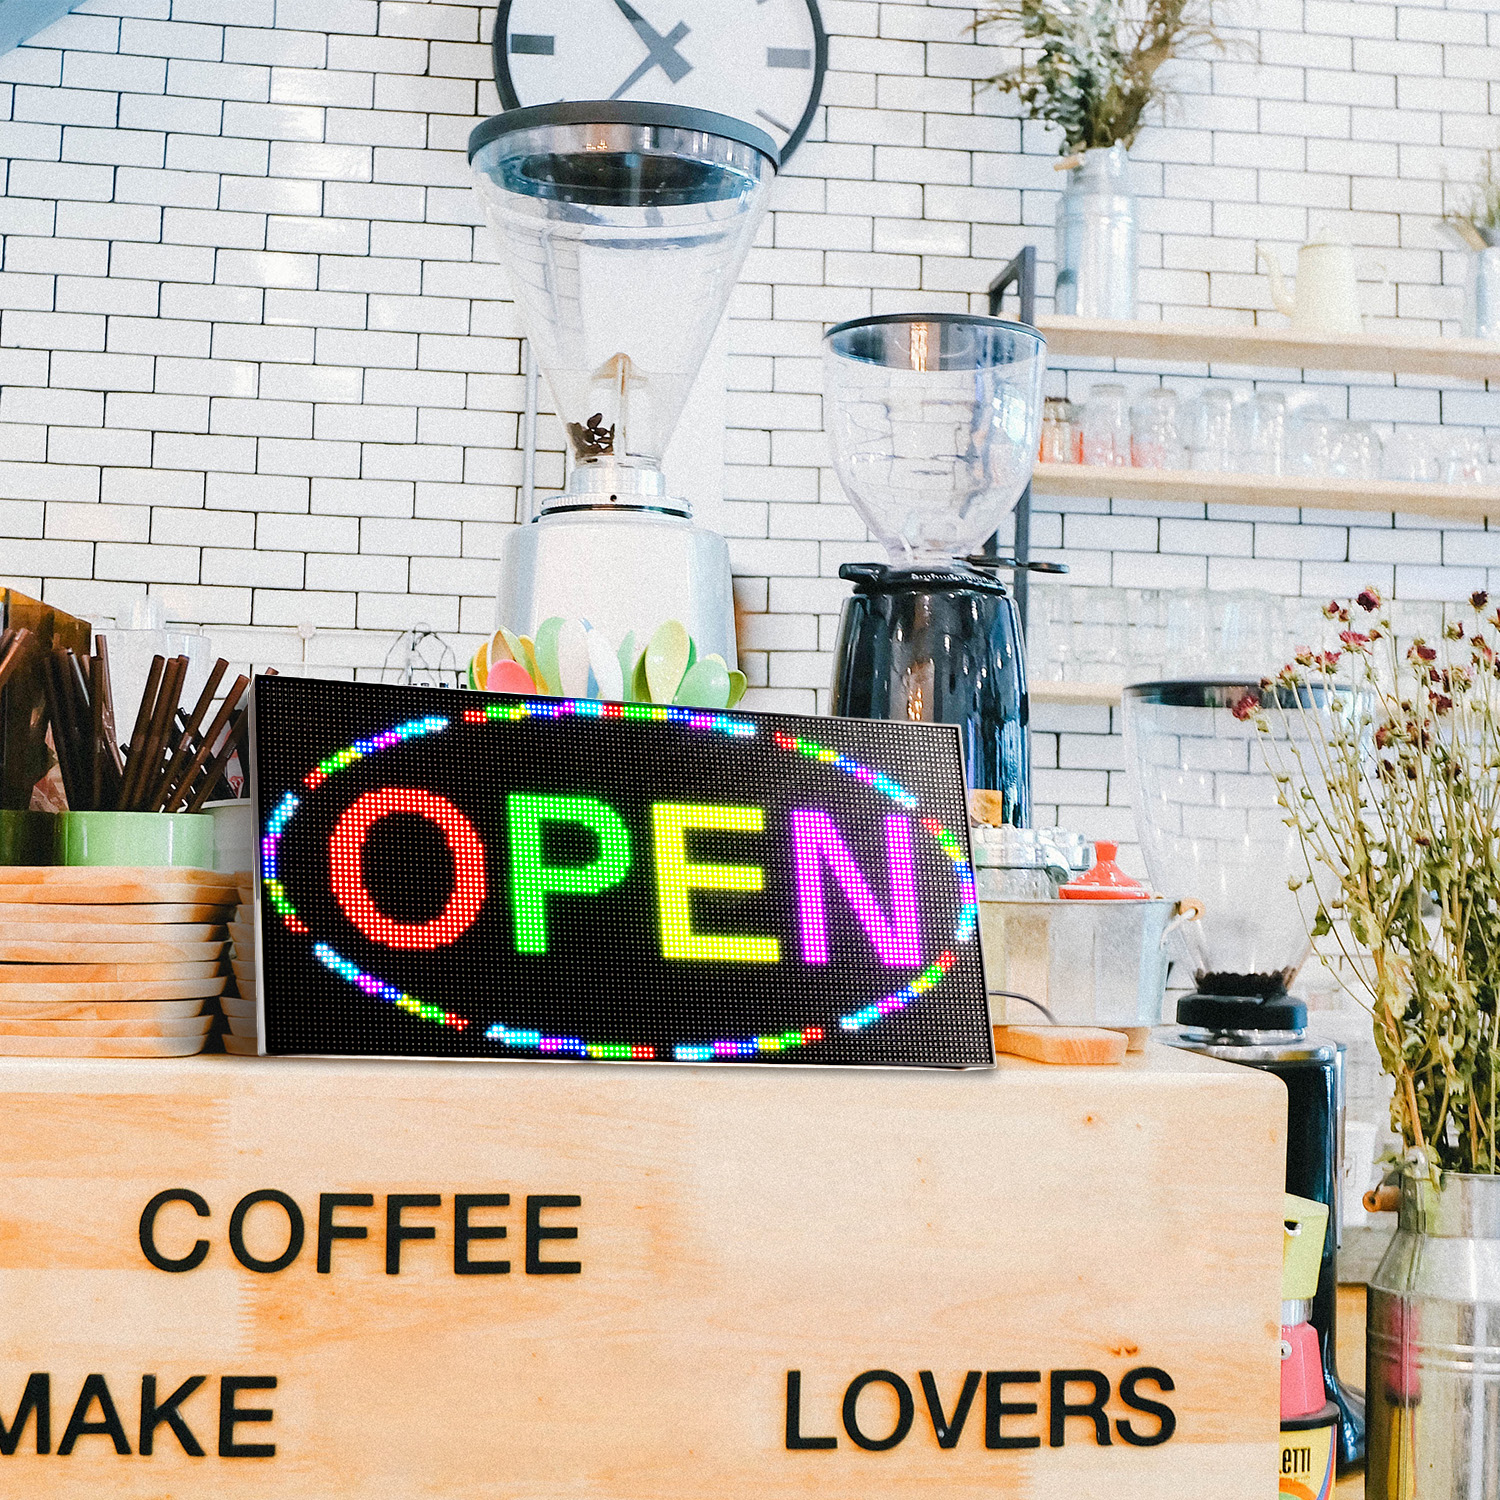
<point>346,848</point>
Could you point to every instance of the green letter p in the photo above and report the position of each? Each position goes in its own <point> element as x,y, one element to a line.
<point>532,879</point>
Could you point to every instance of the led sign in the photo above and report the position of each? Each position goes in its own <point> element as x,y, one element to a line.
<point>471,875</point>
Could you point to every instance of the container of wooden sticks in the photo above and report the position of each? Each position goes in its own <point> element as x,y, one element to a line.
<point>141,803</point>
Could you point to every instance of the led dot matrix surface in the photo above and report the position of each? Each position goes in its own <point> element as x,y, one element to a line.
<point>468,875</point>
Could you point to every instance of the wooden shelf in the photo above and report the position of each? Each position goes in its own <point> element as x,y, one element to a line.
<point>1382,350</point>
<point>1086,694</point>
<point>1471,502</point>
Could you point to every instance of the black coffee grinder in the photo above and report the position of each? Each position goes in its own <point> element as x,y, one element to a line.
<point>933,423</point>
<point>1210,827</point>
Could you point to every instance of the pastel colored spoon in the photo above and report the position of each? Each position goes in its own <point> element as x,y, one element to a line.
<point>626,656</point>
<point>607,676</point>
<point>667,659</point>
<point>573,660</point>
<point>510,677</point>
<point>706,685</point>
<point>547,633</point>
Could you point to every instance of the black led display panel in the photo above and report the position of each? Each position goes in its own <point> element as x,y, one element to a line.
<point>456,874</point>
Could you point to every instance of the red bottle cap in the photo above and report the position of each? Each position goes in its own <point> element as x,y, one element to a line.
<point>1106,881</point>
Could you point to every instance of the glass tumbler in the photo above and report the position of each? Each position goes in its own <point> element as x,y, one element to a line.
<point>1260,434</point>
<point>1050,650</point>
<point>1210,431</point>
<point>1410,457</point>
<point>1353,450</point>
<point>1464,459</point>
<point>1310,440</point>
<point>1106,427</point>
<point>1154,440</point>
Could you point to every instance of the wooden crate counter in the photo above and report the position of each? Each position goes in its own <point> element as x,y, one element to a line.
<point>401,1280</point>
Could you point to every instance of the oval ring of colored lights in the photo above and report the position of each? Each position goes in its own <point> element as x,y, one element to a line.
<point>536,1042</point>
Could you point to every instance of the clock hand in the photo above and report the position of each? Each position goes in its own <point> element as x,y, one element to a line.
<point>661,50</point>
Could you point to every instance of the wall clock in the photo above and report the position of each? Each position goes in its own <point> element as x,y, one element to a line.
<point>759,60</point>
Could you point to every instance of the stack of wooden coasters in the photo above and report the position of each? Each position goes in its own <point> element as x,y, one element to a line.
<point>110,962</point>
<point>238,1000</point>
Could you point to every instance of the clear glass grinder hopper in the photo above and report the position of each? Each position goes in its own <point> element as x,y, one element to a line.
<point>623,227</point>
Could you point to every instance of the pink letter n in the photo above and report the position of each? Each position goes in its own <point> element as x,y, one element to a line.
<point>816,842</point>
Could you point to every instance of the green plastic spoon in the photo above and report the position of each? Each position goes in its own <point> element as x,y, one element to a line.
<point>706,685</point>
<point>667,659</point>
<point>549,679</point>
<point>627,666</point>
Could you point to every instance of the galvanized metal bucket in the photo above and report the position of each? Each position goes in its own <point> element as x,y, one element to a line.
<point>1433,1347</point>
<point>1096,238</point>
<point>1090,963</point>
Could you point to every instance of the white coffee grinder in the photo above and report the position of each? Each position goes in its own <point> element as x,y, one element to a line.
<point>624,227</point>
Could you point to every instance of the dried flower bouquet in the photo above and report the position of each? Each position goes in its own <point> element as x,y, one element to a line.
<point>1393,785</point>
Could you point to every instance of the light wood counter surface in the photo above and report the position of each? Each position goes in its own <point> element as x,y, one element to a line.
<point>734,1226</point>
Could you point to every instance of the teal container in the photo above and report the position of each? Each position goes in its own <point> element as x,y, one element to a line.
<point>179,840</point>
<point>26,838</point>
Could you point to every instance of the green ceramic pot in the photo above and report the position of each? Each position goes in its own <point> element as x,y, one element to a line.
<point>26,838</point>
<point>182,840</point>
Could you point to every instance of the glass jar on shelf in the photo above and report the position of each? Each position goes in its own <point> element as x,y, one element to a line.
<point>1062,437</point>
<point>1155,442</point>
<point>1106,427</point>
<point>1208,430</point>
<point>1259,434</point>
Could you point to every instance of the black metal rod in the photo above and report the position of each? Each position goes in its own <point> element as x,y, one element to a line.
<point>1021,274</point>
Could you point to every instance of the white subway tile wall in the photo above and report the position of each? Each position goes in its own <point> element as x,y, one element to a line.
<point>256,356</point>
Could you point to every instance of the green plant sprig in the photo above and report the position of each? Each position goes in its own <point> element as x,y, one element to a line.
<point>1482,208</point>
<point>1096,69</point>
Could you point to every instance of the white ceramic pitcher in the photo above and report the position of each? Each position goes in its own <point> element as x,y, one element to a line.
<point>1327,291</point>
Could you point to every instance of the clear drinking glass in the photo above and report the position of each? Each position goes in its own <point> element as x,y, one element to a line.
<point>1209,431</point>
<point>1154,439</point>
<point>1309,441</point>
<point>1106,427</point>
<point>1146,642</point>
<point>1353,450</point>
<point>1062,439</point>
<point>1260,434</point>
<point>1190,632</point>
<point>1411,457</point>
<point>1252,633</point>
<point>1050,650</point>
<point>1464,458</point>
<point>1101,633</point>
